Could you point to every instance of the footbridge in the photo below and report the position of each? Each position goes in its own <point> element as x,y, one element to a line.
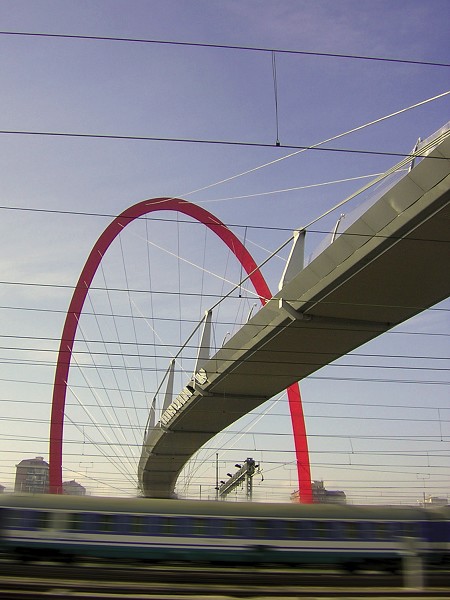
<point>388,266</point>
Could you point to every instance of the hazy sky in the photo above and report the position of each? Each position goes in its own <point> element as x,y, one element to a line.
<point>363,418</point>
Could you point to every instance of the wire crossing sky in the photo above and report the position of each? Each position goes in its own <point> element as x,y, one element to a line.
<point>273,51</point>
<point>96,90</point>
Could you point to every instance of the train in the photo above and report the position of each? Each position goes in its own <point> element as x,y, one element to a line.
<point>60,527</point>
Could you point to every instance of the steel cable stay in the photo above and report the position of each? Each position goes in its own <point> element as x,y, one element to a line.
<point>225,445</point>
<point>150,296</point>
<point>133,322</point>
<point>179,296</point>
<point>129,389</point>
<point>178,257</point>
<point>108,355</point>
<point>191,465</point>
<point>341,203</point>
<point>87,279</point>
<point>291,189</point>
<point>107,441</point>
<point>99,403</point>
<point>99,427</point>
<point>114,424</point>
<point>95,365</point>
<point>118,461</point>
<point>304,149</point>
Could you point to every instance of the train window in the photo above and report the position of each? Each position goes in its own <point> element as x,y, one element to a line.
<point>292,529</point>
<point>297,530</point>
<point>230,528</point>
<point>167,526</point>
<point>407,529</point>
<point>301,530</point>
<point>137,523</point>
<point>304,530</point>
<point>15,519</point>
<point>261,528</point>
<point>320,529</point>
<point>105,523</point>
<point>42,520</point>
<point>75,522</point>
<point>199,527</point>
<point>410,529</point>
<point>352,530</point>
<point>381,530</point>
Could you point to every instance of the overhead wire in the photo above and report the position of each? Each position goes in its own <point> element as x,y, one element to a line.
<point>150,295</point>
<point>179,253</point>
<point>192,321</point>
<point>305,227</point>
<point>103,385</point>
<point>93,390</point>
<point>275,91</point>
<point>299,353</point>
<point>340,436</point>
<point>117,463</point>
<point>280,414</point>
<point>133,322</point>
<point>214,142</point>
<point>406,61</point>
<point>310,377</point>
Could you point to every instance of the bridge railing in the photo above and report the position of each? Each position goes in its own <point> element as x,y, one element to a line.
<point>371,193</point>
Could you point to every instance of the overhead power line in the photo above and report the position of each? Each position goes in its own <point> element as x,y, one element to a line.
<point>145,138</point>
<point>309,378</point>
<point>257,412</point>
<point>226,47</point>
<point>128,316</point>
<point>142,369</point>
<point>271,433</point>
<point>320,436</point>
<point>195,294</point>
<point>154,344</point>
<point>298,355</point>
<point>180,220</point>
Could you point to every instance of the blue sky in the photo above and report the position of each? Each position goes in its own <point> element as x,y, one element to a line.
<point>172,91</point>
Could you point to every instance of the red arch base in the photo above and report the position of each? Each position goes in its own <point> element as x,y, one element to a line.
<point>76,306</point>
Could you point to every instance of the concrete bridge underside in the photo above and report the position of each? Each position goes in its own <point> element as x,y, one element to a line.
<point>391,264</point>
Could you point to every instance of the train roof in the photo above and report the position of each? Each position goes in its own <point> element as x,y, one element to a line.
<point>211,508</point>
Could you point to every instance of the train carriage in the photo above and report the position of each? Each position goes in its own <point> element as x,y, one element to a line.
<point>228,532</point>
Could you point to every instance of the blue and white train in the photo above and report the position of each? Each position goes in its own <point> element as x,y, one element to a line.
<point>67,527</point>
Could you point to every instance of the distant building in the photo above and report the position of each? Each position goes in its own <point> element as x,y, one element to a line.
<point>73,488</point>
<point>323,496</point>
<point>32,476</point>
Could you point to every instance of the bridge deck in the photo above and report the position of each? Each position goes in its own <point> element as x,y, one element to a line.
<point>388,266</point>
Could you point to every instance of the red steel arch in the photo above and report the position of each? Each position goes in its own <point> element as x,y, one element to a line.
<point>76,306</point>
